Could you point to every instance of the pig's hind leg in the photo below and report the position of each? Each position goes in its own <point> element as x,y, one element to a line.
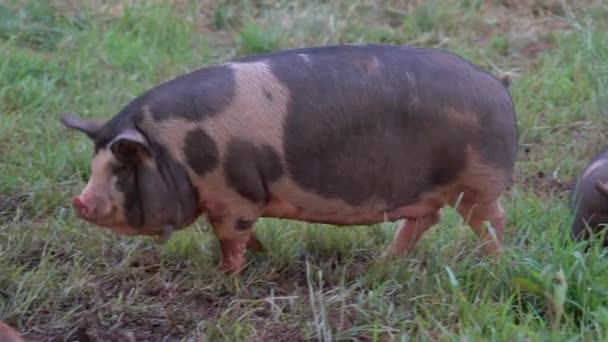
<point>408,234</point>
<point>477,214</point>
<point>477,200</point>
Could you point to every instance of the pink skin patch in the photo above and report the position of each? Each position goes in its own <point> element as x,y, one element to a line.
<point>91,208</point>
<point>88,208</point>
<point>82,210</point>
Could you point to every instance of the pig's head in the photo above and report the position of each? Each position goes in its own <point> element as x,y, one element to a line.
<point>135,187</point>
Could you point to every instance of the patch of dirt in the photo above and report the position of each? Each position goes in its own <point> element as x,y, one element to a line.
<point>9,204</point>
<point>589,138</point>
<point>159,305</point>
<point>280,332</point>
<point>528,27</point>
<point>543,184</point>
<point>170,305</point>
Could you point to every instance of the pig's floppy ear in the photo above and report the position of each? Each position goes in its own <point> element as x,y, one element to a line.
<point>130,147</point>
<point>89,127</point>
<point>602,187</point>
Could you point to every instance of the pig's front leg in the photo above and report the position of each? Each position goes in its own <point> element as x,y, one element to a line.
<point>233,228</point>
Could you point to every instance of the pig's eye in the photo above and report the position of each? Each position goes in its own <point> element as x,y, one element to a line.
<point>120,171</point>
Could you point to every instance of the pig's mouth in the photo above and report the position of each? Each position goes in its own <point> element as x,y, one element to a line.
<point>117,227</point>
<point>109,220</point>
<point>116,222</point>
<point>120,227</point>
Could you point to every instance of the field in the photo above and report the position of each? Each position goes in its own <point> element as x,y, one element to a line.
<point>62,279</point>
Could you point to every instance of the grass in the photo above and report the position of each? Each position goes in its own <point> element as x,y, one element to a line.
<point>61,279</point>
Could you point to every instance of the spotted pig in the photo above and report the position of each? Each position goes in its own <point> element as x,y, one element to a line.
<point>589,199</point>
<point>342,135</point>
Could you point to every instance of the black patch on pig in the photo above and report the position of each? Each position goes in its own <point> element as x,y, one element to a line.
<point>249,169</point>
<point>156,197</point>
<point>269,163</point>
<point>127,182</point>
<point>201,151</point>
<point>242,224</point>
<point>355,132</point>
<point>194,96</point>
<point>267,93</point>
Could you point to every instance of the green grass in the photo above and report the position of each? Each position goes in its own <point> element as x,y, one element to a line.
<point>63,279</point>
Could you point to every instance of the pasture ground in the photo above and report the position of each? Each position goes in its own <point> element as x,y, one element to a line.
<point>61,279</point>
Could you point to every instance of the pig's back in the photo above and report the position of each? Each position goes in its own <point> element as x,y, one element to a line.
<point>338,128</point>
<point>386,122</point>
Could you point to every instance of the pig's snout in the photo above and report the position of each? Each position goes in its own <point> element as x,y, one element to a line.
<point>84,210</point>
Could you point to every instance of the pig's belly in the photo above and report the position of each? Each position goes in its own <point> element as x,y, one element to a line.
<point>278,208</point>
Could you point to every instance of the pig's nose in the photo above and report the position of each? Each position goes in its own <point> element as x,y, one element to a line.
<point>81,208</point>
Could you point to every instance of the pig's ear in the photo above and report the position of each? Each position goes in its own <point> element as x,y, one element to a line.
<point>602,187</point>
<point>90,127</point>
<point>130,147</point>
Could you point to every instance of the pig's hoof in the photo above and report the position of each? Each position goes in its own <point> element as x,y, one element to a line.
<point>387,257</point>
<point>494,250</point>
<point>229,269</point>
<point>233,266</point>
<point>165,235</point>
<point>255,245</point>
